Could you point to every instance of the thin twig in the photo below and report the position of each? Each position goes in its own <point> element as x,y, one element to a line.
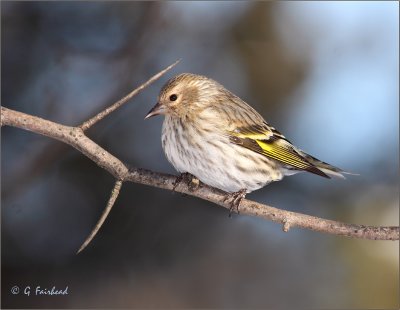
<point>90,122</point>
<point>110,203</point>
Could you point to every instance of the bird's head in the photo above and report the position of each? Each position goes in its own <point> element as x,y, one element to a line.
<point>185,95</point>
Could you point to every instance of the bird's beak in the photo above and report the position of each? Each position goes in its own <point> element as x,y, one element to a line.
<point>157,109</point>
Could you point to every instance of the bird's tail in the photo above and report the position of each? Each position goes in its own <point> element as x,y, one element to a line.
<point>327,169</point>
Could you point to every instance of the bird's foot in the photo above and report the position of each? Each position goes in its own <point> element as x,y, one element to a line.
<point>191,181</point>
<point>235,200</point>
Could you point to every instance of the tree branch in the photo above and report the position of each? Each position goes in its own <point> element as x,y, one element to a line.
<point>90,122</point>
<point>75,137</point>
<point>111,202</point>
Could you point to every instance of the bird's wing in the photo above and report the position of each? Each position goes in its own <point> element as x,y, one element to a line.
<point>266,140</point>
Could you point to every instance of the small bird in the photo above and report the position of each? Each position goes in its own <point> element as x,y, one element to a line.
<point>215,136</point>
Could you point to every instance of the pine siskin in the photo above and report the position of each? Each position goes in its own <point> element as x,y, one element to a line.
<point>215,136</point>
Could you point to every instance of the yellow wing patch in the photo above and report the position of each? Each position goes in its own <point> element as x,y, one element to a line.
<point>254,132</point>
<point>283,154</point>
<point>269,142</point>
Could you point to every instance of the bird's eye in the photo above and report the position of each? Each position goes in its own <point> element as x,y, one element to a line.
<point>173,97</point>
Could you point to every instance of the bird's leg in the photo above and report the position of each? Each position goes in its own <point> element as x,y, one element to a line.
<point>191,181</point>
<point>179,179</point>
<point>235,198</point>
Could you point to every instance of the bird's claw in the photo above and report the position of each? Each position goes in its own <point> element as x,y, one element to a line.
<point>235,200</point>
<point>191,181</point>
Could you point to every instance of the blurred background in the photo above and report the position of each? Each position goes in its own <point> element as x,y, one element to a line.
<point>325,74</point>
